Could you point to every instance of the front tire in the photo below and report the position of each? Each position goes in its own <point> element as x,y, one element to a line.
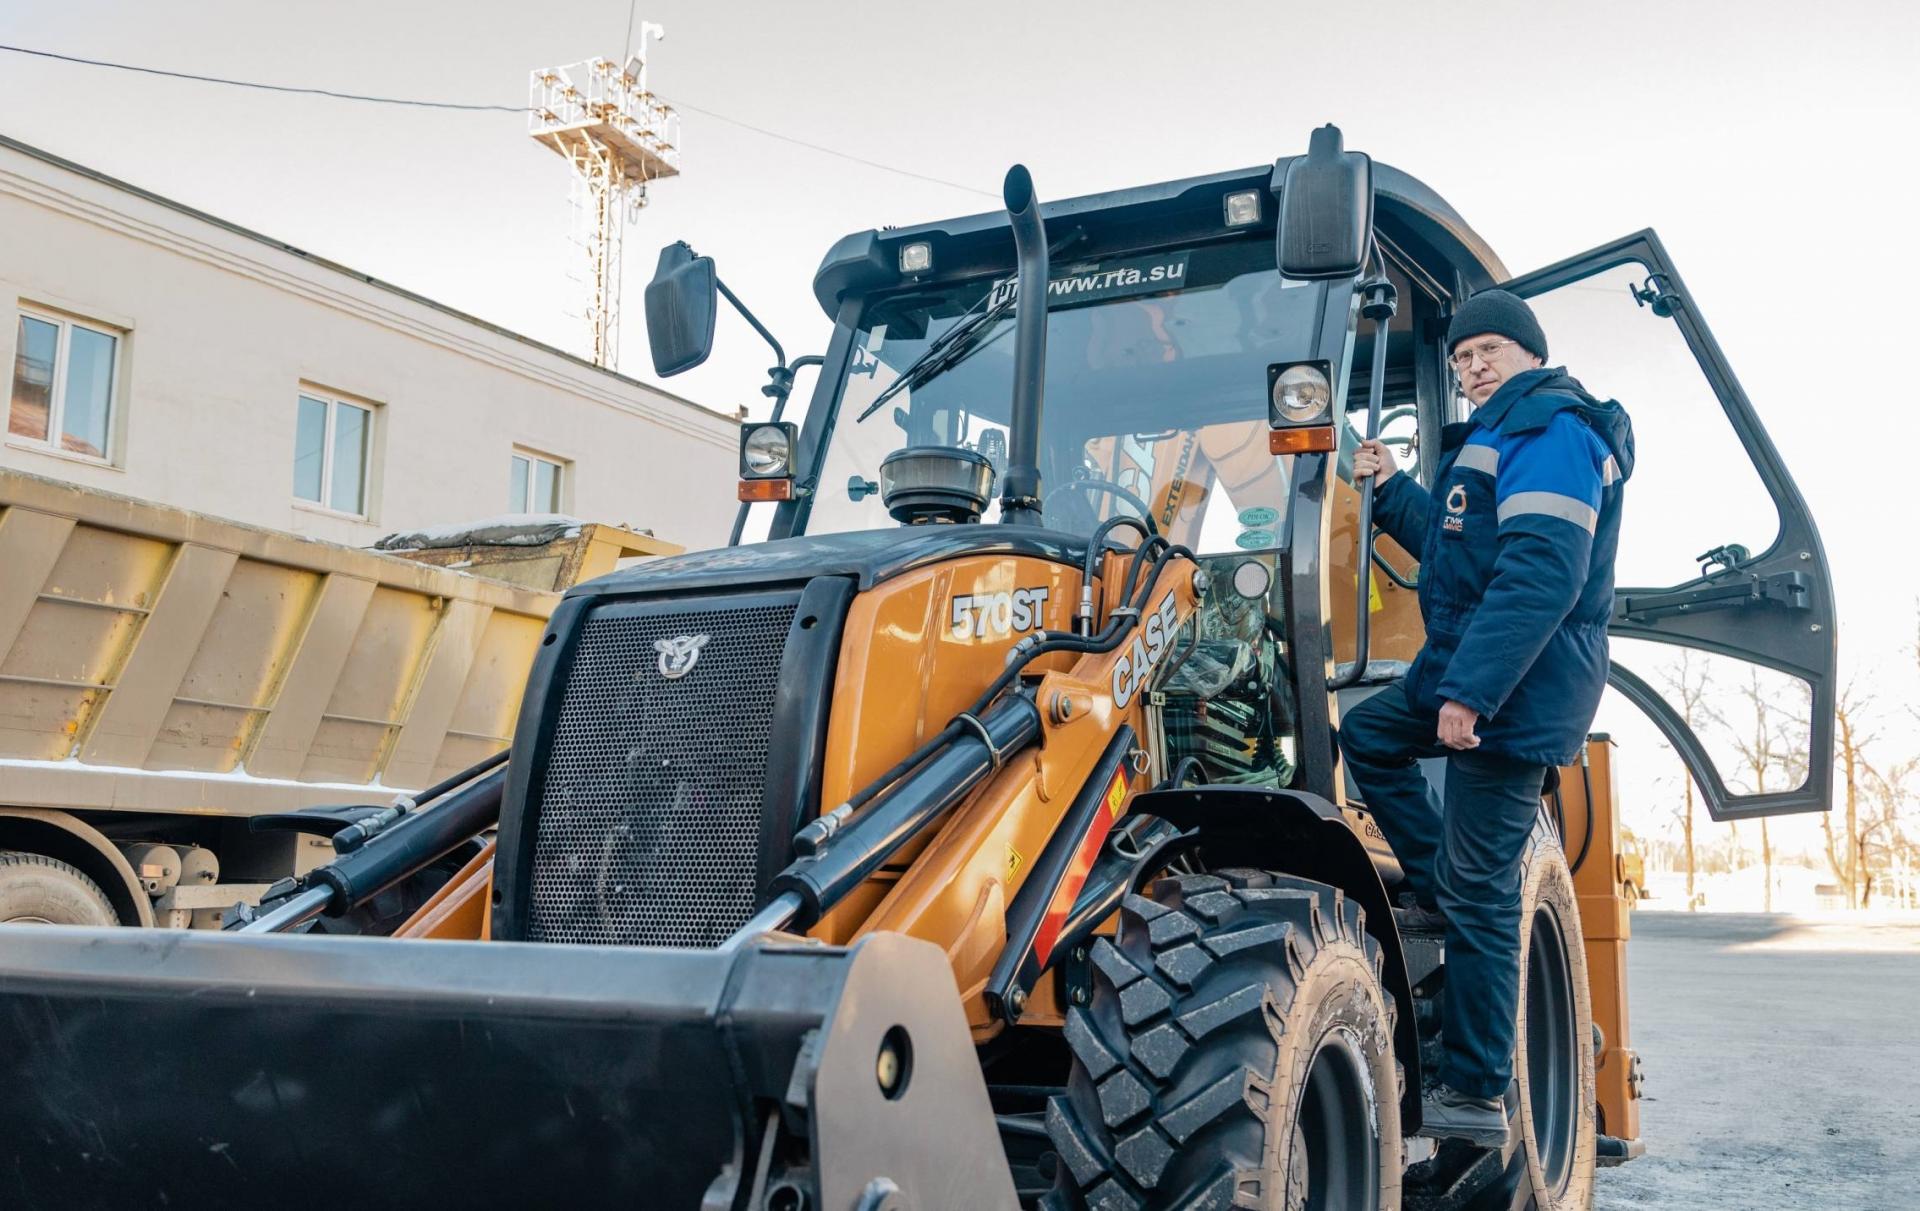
<point>1237,1052</point>
<point>37,890</point>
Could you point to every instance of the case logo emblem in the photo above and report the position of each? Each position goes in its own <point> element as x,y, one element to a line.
<point>677,655</point>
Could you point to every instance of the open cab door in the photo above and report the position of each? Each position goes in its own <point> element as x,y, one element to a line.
<point>1718,553</point>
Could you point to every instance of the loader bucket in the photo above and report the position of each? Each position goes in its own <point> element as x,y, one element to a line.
<point>157,1068</point>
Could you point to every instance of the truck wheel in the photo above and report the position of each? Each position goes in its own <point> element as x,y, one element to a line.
<point>35,890</point>
<point>1237,1051</point>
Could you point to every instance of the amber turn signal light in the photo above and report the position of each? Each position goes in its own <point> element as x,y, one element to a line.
<point>766,489</point>
<point>1314,439</point>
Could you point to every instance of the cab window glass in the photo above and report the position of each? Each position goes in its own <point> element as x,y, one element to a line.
<point>1755,723</point>
<point>1693,490</point>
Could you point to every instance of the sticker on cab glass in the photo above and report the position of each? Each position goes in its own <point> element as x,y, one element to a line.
<point>1112,280</point>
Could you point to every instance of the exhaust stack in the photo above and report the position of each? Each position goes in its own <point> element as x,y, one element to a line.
<point>1020,487</point>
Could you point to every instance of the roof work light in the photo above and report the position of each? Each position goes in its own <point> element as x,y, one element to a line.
<point>916,257</point>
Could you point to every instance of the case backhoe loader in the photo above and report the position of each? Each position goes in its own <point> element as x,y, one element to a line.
<point>979,838</point>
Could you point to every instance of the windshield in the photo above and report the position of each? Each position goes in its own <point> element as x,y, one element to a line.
<point>1156,394</point>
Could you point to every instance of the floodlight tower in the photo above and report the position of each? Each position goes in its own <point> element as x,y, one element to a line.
<point>618,137</point>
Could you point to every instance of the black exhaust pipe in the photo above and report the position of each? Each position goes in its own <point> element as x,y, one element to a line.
<point>1020,487</point>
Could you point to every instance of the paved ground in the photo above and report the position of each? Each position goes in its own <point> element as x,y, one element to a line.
<point>1782,1057</point>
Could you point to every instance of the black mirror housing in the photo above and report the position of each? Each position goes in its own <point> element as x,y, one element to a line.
<point>682,304</point>
<point>1326,211</point>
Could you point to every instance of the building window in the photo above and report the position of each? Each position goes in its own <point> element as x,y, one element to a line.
<point>63,384</point>
<point>535,485</point>
<point>330,449</point>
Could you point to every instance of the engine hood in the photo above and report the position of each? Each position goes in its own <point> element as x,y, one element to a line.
<point>867,556</point>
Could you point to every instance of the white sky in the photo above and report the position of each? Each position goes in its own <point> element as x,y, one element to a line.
<point>1770,144</point>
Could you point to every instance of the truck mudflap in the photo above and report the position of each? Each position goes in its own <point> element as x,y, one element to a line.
<point>149,1068</point>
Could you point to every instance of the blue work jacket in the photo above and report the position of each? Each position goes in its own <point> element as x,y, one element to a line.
<point>1516,544</point>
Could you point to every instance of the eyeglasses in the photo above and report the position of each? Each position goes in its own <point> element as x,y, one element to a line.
<point>1486,351</point>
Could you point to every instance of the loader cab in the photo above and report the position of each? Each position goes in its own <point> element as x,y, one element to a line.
<point>1166,312</point>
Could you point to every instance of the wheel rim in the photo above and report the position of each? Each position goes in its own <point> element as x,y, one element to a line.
<point>1334,1161</point>
<point>25,919</point>
<point>1553,1066</point>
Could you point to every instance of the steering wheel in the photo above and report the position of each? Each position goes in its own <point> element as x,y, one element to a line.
<point>1102,485</point>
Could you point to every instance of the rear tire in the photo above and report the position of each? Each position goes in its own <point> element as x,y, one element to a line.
<point>1237,1052</point>
<point>37,890</point>
<point>1553,1048</point>
<point>1549,1165</point>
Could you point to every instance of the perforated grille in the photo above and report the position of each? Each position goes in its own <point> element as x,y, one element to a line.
<point>649,823</point>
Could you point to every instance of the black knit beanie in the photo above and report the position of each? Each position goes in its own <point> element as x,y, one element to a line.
<point>1501,314</point>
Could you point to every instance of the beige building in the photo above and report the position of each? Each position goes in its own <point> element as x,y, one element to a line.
<point>159,352</point>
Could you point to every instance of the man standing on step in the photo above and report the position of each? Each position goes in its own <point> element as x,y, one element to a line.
<point>1516,544</point>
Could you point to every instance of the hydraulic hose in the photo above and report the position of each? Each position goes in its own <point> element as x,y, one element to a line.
<point>1586,841</point>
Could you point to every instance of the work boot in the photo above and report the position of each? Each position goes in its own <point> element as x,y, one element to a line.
<point>1416,918</point>
<point>1448,1114</point>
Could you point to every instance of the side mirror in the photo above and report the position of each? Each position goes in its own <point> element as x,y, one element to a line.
<point>682,303</point>
<point>1326,211</point>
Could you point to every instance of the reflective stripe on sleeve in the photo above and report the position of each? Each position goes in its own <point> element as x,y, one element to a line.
<point>1549,504</point>
<point>1609,472</point>
<point>1479,458</point>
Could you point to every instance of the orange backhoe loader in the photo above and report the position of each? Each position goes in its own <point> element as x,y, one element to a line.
<point>979,838</point>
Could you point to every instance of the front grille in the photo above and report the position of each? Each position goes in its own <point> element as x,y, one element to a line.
<point>649,820</point>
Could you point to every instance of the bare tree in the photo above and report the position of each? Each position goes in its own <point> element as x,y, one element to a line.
<point>1886,846</point>
<point>1847,716</point>
<point>1769,745</point>
<point>1689,682</point>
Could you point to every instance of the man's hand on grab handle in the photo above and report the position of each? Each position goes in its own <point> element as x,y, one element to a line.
<point>1456,725</point>
<point>1373,458</point>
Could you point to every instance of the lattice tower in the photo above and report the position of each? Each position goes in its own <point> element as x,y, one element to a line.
<point>618,138</point>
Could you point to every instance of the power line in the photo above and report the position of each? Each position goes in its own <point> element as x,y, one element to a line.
<point>276,88</point>
<point>772,134</point>
<point>472,108</point>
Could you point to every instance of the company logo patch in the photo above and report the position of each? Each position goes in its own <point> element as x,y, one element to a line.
<point>678,654</point>
<point>1455,521</point>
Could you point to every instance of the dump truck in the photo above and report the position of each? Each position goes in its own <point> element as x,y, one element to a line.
<point>979,838</point>
<point>176,690</point>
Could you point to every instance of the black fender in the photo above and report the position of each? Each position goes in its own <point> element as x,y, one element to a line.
<point>1301,834</point>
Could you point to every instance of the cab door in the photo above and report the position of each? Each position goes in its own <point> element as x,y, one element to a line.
<point>1723,621</point>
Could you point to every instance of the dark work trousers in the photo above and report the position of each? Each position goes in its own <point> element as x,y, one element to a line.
<point>1462,853</point>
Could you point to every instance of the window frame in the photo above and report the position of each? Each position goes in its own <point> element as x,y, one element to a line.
<point>560,476</point>
<point>333,403</point>
<point>57,389</point>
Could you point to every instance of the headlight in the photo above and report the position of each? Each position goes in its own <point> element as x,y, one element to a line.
<point>766,451</point>
<point>1302,394</point>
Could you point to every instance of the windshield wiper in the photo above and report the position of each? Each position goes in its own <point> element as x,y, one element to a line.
<point>958,342</point>
<point>952,347</point>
